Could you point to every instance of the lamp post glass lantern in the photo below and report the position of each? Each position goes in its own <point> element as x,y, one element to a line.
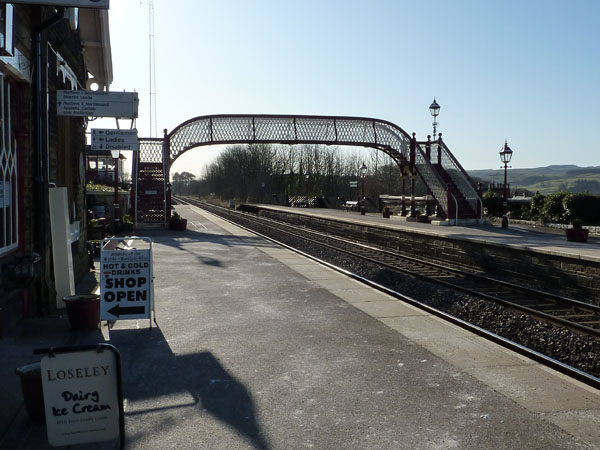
<point>434,109</point>
<point>363,174</point>
<point>505,157</point>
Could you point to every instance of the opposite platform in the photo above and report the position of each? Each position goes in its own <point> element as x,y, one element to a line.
<point>537,239</point>
<point>519,253</point>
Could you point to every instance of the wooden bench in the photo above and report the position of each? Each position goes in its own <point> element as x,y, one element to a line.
<point>352,206</point>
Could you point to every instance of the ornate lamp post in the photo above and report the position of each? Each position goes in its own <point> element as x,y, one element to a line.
<point>505,157</point>
<point>363,175</point>
<point>434,109</point>
<point>307,176</point>
<point>116,155</point>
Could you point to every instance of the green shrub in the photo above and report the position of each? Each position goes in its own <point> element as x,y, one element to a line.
<point>583,206</point>
<point>553,209</point>
<point>492,204</point>
<point>536,207</point>
<point>577,224</point>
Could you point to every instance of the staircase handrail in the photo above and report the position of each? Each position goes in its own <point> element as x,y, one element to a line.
<point>432,179</point>
<point>458,174</point>
<point>455,209</point>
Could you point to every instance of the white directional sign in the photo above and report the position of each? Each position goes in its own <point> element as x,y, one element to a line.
<point>109,139</point>
<point>97,104</point>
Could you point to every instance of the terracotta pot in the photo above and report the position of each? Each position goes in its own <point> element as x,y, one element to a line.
<point>126,227</point>
<point>33,394</point>
<point>95,233</point>
<point>577,234</point>
<point>179,225</point>
<point>83,311</point>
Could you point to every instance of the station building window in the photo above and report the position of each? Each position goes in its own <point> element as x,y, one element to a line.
<point>8,172</point>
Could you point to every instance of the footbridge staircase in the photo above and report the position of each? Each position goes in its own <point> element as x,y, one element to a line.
<point>446,181</point>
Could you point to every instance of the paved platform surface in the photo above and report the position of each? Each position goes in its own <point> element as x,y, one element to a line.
<point>539,239</point>
<point>260,348</point>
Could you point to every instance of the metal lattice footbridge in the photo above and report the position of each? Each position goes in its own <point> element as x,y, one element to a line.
<point>433,162</point>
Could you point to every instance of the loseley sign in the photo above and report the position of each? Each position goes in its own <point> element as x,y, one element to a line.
<point>83,398</point>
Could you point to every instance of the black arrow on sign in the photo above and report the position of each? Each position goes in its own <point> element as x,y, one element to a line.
<point>119,310</point>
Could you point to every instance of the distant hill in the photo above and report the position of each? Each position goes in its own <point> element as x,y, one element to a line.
<point>546,180</point>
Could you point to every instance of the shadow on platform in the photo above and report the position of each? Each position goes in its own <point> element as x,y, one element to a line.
<point>159,375</point>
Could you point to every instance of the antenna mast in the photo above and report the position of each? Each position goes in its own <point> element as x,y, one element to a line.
<point>152,69</point>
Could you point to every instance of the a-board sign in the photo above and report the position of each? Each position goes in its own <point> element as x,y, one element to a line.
<point>82,394</point>
<point>84,103</point>
<point>126,282</point>
<point>114,139</point>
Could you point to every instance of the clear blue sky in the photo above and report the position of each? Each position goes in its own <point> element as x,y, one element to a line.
<point>527,71</point>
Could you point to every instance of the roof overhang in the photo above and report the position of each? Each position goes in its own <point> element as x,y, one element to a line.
<point>95,38</point>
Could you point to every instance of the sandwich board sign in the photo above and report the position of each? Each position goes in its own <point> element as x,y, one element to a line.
<point>83,396</point>
<point>126,279</point>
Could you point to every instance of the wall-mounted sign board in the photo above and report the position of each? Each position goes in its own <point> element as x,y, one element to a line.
<point>81,103</point>
<point>83,396</point>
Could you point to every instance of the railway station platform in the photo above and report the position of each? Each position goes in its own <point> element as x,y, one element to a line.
<point>258,347</point>
<point>521,251</point>
<point>540,239</point>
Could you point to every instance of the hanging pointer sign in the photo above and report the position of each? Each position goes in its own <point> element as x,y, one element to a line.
<point>110,139</point>
<point>97,104</point>
<point>126,285</point>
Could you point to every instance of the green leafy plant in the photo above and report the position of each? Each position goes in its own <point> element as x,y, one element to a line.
<point>91,186</point>
<point>93,223</point>
<point>175,216</point>
<point>127,219</point>
<point>577,224</point>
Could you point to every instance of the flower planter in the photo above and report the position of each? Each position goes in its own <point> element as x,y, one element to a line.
<point>83,311</point>
<point>95,233</point>
<point>33,394</point>
<point>577,234</point>
<point>126,227</point>
<point>178,225</point>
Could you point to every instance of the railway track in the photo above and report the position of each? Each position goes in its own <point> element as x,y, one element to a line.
<point>579,317</point>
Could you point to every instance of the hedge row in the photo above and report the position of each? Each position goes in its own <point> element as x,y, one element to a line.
<point>559,207</point>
